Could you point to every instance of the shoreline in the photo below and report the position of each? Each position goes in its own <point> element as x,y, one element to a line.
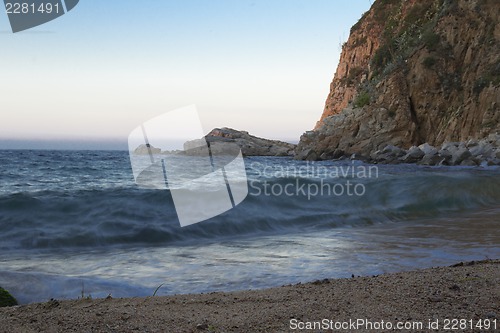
<point>468,291</point>
<point>470,153</point>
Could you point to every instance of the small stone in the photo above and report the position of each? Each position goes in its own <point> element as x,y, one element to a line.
<point>471,143</point>
<point>53,303</point>
<point>428,149</point>
<point>202,327</point>
<point>325,156</point>
<point>436,299</point>
<point>317,282</point>
<point>375,155</point>
<point>491,315</point>
<point>393,151</point>
<point>468,162</point>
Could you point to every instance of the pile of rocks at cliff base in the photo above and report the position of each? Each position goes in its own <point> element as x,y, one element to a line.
<point>485,152</point>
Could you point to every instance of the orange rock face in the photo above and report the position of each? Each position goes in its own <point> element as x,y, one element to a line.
<point>413,72</point>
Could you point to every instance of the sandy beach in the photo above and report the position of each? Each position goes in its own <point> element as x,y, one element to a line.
<point>465,295</point>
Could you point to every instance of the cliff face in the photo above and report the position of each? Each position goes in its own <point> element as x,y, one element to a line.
<point>412,71</point>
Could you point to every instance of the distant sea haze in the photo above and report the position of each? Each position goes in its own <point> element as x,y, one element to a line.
<point>64,144</point>
<point>73,218</point>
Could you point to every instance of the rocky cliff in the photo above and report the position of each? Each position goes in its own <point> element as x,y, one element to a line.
<point>412,71</point>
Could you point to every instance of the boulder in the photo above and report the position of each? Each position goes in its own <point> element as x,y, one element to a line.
<point>445,155</point>
<point>483,149</point>
<point>450,147</point>
<point>338,153</point>
<point>6,299</point>
<point>414,154</point>
<point>460,155</point>
<point>495,161</point>
<point>494,139</point>
<point>312,156</point>
<point>376,155</point>
<point>431,159</point>
<point>468,162</point>
<point>304,154</point>
<point>393,151</point>
<point>428,149</point>
<point>471,143</point>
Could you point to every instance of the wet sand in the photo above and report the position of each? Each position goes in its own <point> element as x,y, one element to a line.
<point>467,291</point>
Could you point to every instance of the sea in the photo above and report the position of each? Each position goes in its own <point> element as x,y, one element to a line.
<point>75,224</point>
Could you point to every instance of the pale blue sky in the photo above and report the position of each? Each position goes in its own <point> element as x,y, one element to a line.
<point>107,66</point>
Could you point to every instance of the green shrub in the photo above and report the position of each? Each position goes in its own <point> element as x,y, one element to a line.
<point>415,14</point>
<point>6,299</point>
<point>491,76</point>
<point>353,75</point>
<point>382,57</point>
<point>431,40</point>
<point>362,99</point>
<point>480,84</point>
<point>384,9</point>
<point>429,62</point>
<point>359,41</point>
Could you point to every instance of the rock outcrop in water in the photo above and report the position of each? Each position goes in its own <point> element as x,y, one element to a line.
<point>224,140</point>
<point>250,145</point>
<point>146,150</point>
<point>412,72</point>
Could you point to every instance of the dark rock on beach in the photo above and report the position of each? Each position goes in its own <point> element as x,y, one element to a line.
<point>6,299</point>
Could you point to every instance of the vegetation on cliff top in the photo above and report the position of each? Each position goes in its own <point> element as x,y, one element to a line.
<point>404,29</point>
<point>405,32</point>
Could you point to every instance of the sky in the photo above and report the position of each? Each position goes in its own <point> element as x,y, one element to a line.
<point>91,76</point>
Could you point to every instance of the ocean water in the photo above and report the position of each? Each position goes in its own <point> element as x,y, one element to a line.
<point>74,223</point>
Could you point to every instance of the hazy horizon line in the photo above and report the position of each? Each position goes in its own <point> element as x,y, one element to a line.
<point>75,144</point>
